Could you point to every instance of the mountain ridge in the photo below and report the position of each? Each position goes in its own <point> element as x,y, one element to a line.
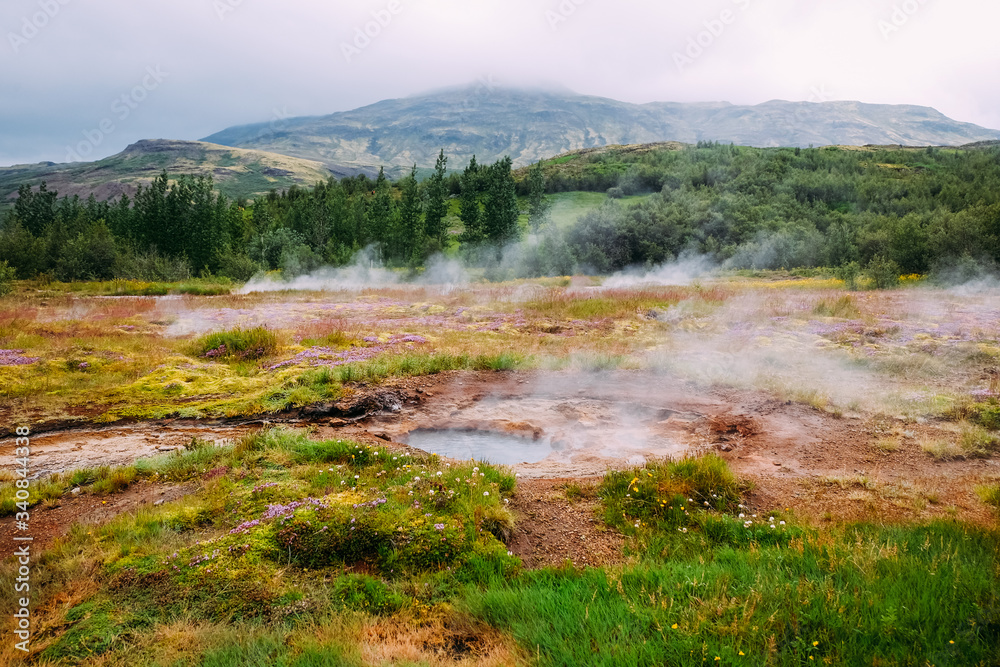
<point>533,124</point>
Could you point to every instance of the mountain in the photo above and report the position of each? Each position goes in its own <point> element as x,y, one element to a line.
<point>530,125</point>
<point>237,172</point>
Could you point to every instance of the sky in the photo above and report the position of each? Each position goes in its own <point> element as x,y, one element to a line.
<point>82,79</point>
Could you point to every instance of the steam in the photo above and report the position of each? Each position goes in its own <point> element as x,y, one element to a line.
<point>365,272</point>
<point>687,269</point>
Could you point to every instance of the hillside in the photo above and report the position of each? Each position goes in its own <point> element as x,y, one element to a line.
<point>237,172</point>
<point>530,125</point>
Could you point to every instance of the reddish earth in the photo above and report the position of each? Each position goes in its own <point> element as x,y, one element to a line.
<point>818,465</point>
<point>50,522</point>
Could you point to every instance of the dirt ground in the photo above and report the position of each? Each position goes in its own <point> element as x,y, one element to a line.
<point>821,466</point>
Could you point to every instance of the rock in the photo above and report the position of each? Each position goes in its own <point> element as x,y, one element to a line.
<point>726,448</point>
<point>383,436</point>
<point>777,463</point>
<point>337,423</point>
<point>159,502</point>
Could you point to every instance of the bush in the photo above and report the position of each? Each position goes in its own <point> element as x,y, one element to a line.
<point>667,493</point>
<point>7,275</point>
<point>238,344</point>
<point>883,272</point>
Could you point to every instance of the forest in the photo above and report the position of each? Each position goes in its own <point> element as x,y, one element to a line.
<point>897,210</point>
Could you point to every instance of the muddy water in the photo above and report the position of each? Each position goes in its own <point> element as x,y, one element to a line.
<point>497,448</point>
<point>557,424</point>
<point>543,424</point>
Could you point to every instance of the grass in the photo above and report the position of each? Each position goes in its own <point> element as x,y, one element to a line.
<point>294,551</point>
<point>842,307</point>
<point>990,494</point>
<point>239,344</point>
<point>853,595</point>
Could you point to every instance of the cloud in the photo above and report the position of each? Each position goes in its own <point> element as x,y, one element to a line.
<point>237,64</point>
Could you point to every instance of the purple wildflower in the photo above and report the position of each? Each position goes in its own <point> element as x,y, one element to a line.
<point>15,358</point>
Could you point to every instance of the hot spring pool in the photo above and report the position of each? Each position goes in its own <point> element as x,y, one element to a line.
<point>497,448</point>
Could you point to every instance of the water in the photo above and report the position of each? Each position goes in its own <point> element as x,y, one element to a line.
<point>496,448</point>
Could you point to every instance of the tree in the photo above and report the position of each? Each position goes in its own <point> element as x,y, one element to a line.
<point>500,222</point>
<point>471,211</point>
<point>380,219</point>
<point>437,204</point>
<point>538,205</point>
<point>411,227</point>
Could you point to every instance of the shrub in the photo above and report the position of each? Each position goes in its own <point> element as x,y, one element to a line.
<point>883,272</point>
<point>7,275</point>
<point>666,493</point>
<point>238,344</point>
<point>367,594</point>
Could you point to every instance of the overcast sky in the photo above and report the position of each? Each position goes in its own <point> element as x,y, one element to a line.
<point>96,75</point>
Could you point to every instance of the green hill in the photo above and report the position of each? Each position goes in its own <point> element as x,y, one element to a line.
<point>237,172</point>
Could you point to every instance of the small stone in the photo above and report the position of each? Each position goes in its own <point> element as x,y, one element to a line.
<point>76,491</point>
<point>777,463</point>
<point>337,423</point>
<point>159,502</point>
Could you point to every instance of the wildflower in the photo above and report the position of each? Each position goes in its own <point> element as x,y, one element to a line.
<point>486,493</point>
<point>742,653</point>
<point>475,470</point>
<point>439,526</point>
<point>742,516</point>
<point>706,503</point>
<point>357,477</point>
<point>673,627</point>
<point>815,643</point>
<point>782,523</point>
<point>439,473</point>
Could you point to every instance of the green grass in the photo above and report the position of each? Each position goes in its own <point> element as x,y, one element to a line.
<point>120,287</point>
<point>857,595</point>
<point>990,494</point>
<point>567,207</point>
<point>382,537</point>
<point>238,344</point>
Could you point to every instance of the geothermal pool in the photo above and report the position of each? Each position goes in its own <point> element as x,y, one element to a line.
<point>496,448</point>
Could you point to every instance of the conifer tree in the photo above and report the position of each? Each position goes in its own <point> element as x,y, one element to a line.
<point>437,204</point>
<point>500,222</point>
<point>471,211</point>
<point>411,228</point>
<point>538,205</point>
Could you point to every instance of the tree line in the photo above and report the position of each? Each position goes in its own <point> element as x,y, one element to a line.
<point>173,228</point>
<point>915,210</point>
<point>890,209</point>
